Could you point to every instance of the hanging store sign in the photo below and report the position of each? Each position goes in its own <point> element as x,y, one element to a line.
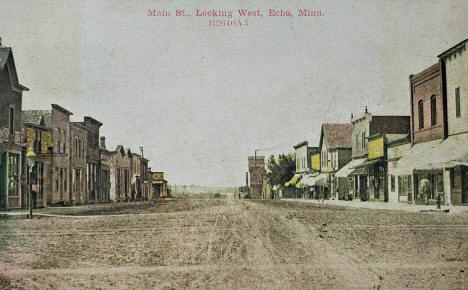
<point>315,161</point>
<point>376,148</point>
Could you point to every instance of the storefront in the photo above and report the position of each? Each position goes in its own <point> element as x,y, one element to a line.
<point>10,189</point>
<point>346,180</point>
<point>436,170</point>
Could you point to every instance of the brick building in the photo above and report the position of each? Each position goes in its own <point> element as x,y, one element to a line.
<point>428,105</point>
<point>257,173</point>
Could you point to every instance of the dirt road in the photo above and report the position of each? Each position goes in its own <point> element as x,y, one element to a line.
<point>229,243</point>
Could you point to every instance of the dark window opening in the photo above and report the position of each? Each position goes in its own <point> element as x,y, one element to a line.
<point>12,120</point>
<point>421,114</point>
<point>433,111</point>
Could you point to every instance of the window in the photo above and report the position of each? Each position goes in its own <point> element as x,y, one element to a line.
<point>421,114</point>
<point>64,141</point>
<point>457,102</point>
<point>433,111</point>
<point>12,120</point>
<point>12,169</point>
<point>392,181</point>
<point>363,140</point>
<point>58,141</point>
<point>357,141</point>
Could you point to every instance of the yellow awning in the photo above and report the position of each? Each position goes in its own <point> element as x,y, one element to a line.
<point>293,180</point>
<point>299,184</point>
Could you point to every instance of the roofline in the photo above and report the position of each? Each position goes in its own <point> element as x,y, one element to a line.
<point>301,144</point>
<point>448,50</point>
<point>22,88</point>
<point>92,120</point>
<point>62,109</point>
<point>79,124</point>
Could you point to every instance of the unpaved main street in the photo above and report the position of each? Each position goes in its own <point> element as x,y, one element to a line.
<point>229,243</point>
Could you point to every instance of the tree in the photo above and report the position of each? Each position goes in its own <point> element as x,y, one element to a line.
<point>280,169</point>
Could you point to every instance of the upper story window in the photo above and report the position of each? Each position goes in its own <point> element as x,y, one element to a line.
<point>433,110</point>
<point>421,114</point>
<point>59,148</point>
<point>363,140</point>
<point>457,102</point>
<point>12,120</point>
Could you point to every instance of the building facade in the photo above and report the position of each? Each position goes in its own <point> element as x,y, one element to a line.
<point>335,152</point>
<point>38,139</point>
<point>120,187</point>
<point>455,69</point>
<point>428,106</point>
<point>158,184</point>
<point>11,157</point>
<point>78,163</point>
<point>105,174</point>
<point>257,173</point>
<point>369,158</point>
<point>93,159</point>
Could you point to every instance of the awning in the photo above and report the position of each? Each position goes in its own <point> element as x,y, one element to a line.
<point>309,179</point>
<point>359,171</point>
<point>299,184</point>
<point>293,180</point>
<point>368,163</point>
<point>433,155</point>
<point>322,180</point>
<point>349,167</point>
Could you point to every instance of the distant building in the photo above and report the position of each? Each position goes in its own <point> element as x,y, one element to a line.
<point>257,173</point>
<point>38,139</point>
<point>93,159</point>
<point>135,177</point>
<point>11,158</point>
<point>57,120</point>
<point>335,152</point>
<point>105,171</point>
<point>158,184</point>
<point>78,163</point>
<point>120,174</point>
<point>303,153</point>
<point>145,179</point>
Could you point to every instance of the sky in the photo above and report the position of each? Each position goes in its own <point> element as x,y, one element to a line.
<point>200,99</point>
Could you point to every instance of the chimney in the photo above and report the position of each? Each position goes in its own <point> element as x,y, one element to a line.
<point>103,142</point>
<point>141,151</point>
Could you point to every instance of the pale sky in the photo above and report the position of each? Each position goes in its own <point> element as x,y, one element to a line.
<point>200,99</point>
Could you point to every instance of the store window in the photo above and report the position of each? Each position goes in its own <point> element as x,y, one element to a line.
<point>12,174</point>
